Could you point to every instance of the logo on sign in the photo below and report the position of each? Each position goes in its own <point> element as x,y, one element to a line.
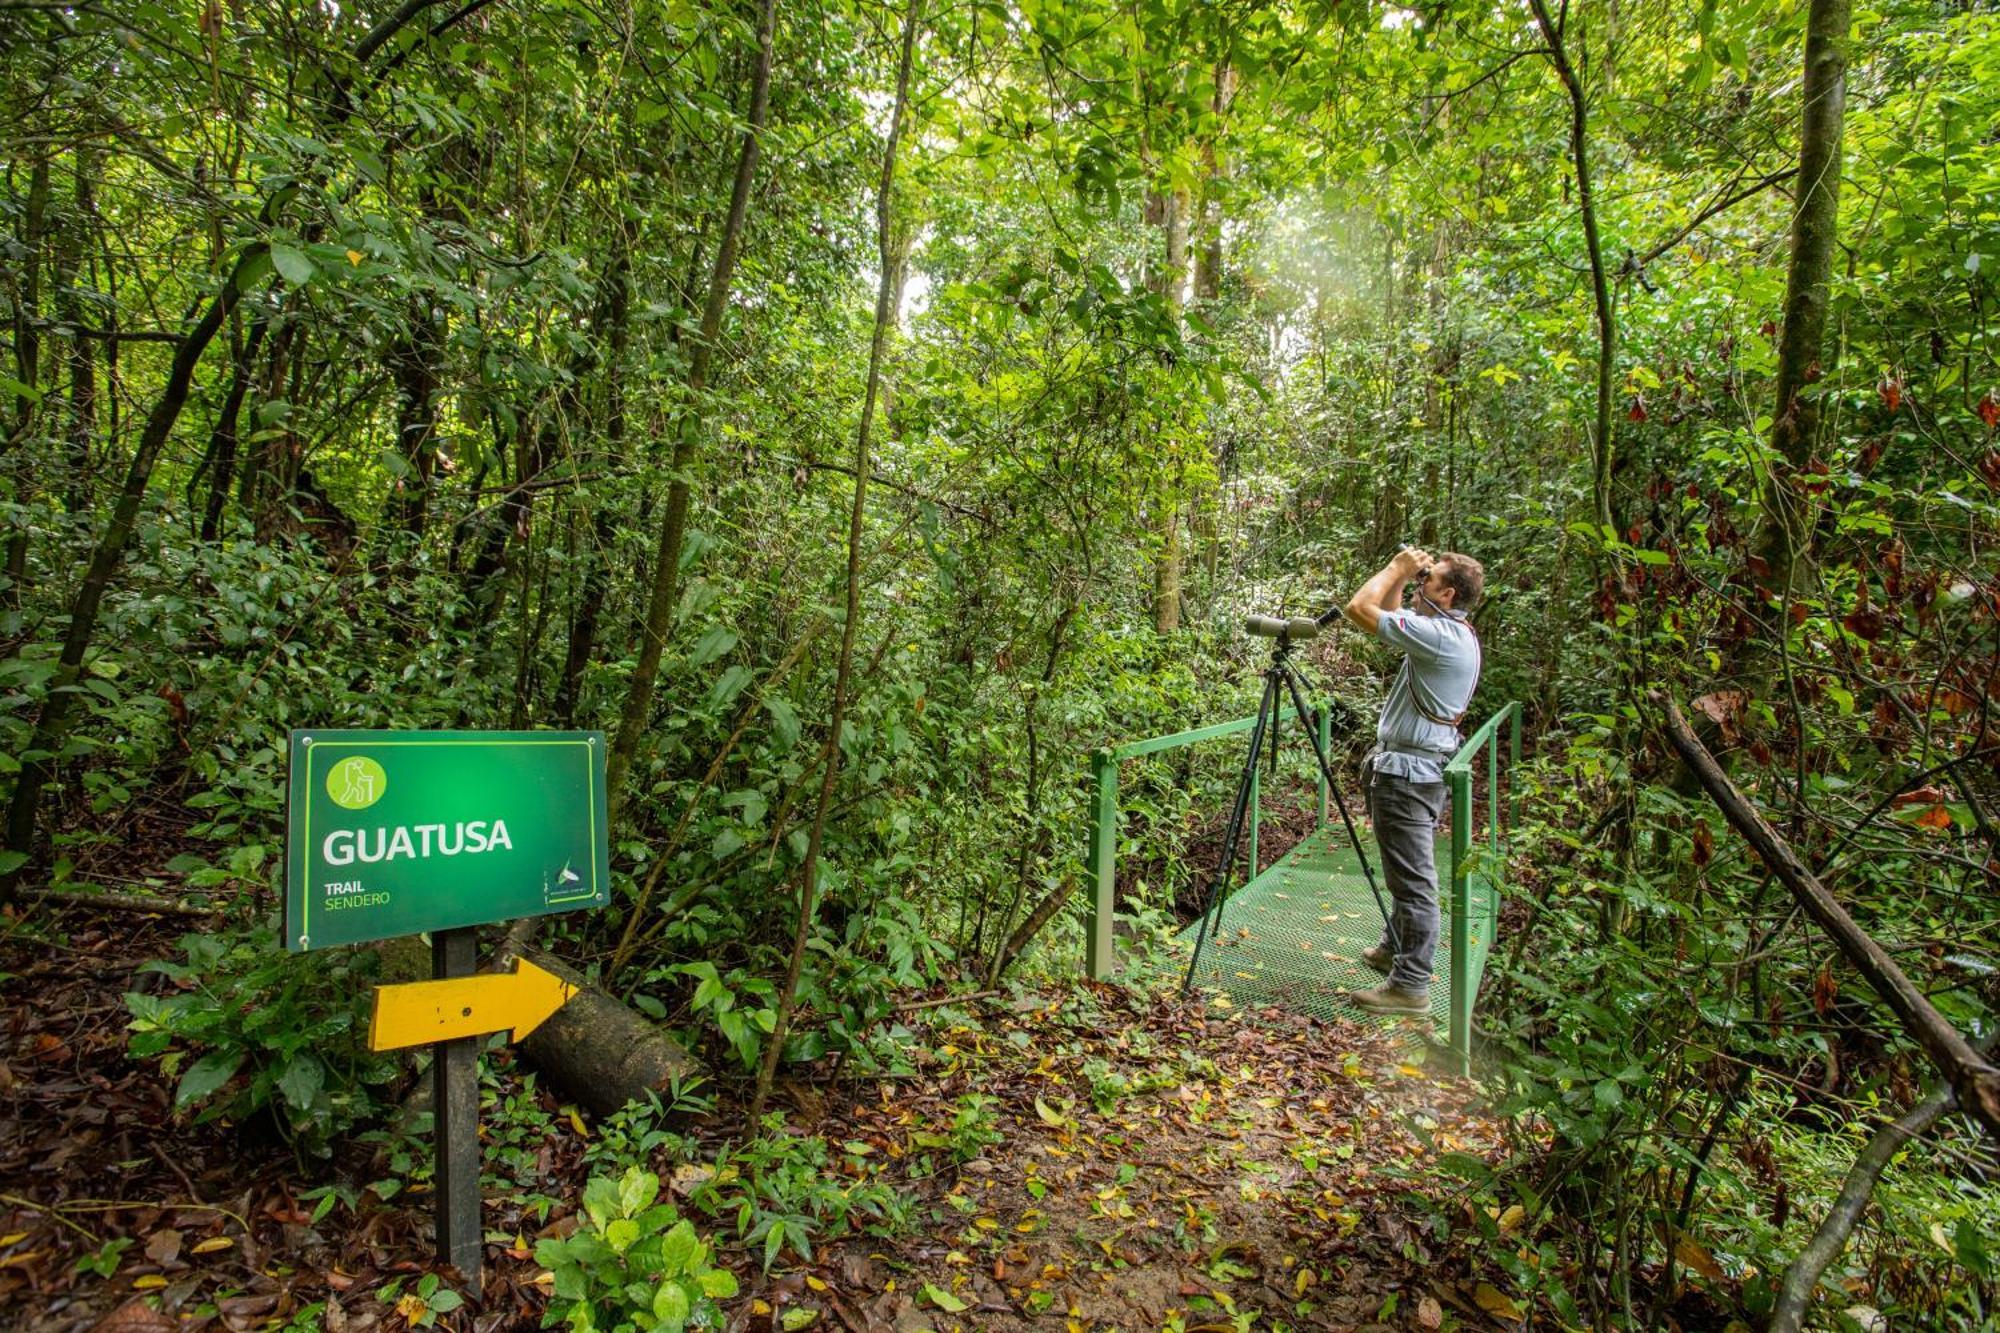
<point>357,783</point>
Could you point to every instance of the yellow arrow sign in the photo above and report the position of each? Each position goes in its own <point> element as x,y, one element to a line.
<point>418,1013</point>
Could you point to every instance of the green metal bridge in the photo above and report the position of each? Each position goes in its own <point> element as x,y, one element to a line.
<point>1293,934</point>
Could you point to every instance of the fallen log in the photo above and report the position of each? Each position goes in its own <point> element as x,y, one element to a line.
<point>598,1051</point>
<point>1964,1070</point>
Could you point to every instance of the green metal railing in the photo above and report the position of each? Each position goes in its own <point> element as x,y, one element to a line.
<point>1466,951</point>
<point>1098,961</point>
<point>1458,775</point>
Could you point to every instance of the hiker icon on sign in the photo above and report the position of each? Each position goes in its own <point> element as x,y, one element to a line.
<point>357,783</point>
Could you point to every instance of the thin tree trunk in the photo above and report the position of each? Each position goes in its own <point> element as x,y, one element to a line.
<point>81,427</point>
<point>1171,206</point>
<point>52,726</point>
<point>596,559</point>
<point>688,435</point>
<point>1795,1298</point>
<point>1795,413</point>
<point>416,364</point>
<point>878,348</point>
<point>1601,451</point>
<point>223,441</point>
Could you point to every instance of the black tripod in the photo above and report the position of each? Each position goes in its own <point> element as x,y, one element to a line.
<point>1281,673</point>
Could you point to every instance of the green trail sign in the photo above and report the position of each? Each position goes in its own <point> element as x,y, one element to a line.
<point>397,832</point>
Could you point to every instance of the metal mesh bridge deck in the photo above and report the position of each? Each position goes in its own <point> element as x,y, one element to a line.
<point>1293,936</point>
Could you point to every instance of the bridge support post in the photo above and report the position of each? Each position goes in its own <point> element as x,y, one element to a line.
<point>1325,725</point>
<point>1103,868</point>
<point>1461,918</point>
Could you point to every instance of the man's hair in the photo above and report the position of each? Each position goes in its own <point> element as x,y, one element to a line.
<point>1466,578</point>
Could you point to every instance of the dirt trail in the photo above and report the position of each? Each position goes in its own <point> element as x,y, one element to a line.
<point>1161,1168</point>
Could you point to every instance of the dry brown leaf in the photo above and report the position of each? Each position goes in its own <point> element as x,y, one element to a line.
<point>1697,1259</point>
<point>1496,1302</point>
<point>134,1316</point>
<point>163,1247</point>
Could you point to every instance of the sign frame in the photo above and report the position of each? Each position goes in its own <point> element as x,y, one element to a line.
<point>564,801</point>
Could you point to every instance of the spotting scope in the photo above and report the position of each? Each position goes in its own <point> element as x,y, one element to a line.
<point>1292,629</point>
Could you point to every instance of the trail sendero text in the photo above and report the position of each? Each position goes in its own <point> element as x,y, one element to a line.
<point>416,842</point>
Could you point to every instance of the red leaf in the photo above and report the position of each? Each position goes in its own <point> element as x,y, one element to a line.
<point>1989,468</point>
<point>1989,410</point>
<point>1636,412</point>
<point>1704,844</point>
<point>1937,817</point>
<point>1864,623</point>
<point>1918,797</point>
<point>1891,390</point>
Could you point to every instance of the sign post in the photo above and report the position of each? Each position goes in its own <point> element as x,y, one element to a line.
<point>394,833</point>
<point>455,1121</point>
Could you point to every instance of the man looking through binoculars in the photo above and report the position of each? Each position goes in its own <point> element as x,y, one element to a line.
<point>1403,778</point>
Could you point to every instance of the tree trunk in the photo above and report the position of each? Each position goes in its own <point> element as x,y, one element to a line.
<point>878,350</point>
<point>81,427</point>
<point>1795,413</point>
<point>416,364</point>
<point>688,434</point>
<point>52,726</point>
<point>582,647</point>
<point>1171,208</point>
<point>1601,450</point>
<point>223,440</point>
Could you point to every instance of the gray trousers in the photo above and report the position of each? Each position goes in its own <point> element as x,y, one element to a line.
<point>1405,817</point>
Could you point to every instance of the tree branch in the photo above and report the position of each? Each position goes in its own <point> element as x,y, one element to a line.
<point>1976,1082</point>
<point>1723,204</point>
<point>1803,1276</point>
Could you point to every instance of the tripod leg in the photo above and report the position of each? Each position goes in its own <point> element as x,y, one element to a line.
<point>1340,803</point>
<point>1211,912</point>
<point>1270,710</point>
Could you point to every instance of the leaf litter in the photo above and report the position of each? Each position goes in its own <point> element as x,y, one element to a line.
<point>1147,1165</point>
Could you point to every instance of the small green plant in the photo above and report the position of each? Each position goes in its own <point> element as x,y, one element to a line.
<point>252,1029</point>
<point>103,1261</point>
<point>634,1265</point>
<point>422,1304</point>
<point>631,1136</point>
<point>739,1004</point>
<point>780,1191</point>
<point>975,1127</point>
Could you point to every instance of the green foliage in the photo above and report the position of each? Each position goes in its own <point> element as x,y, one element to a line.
<point>247,1029</point>
<point>632,1264</point>
<point>780,1192</point>
<point>421,1305</point>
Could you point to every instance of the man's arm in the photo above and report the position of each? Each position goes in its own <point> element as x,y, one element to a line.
<point>1384,591</point>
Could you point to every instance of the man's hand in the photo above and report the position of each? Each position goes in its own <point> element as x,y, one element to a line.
<point>1384,592</point>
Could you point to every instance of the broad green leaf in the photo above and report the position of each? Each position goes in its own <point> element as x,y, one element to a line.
<point>302,1080</point>
<point>205,1075</point>
<point>670,1305</point>
<point>719,640</point>
<point>677,1248</point>
<point>293,265</point>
